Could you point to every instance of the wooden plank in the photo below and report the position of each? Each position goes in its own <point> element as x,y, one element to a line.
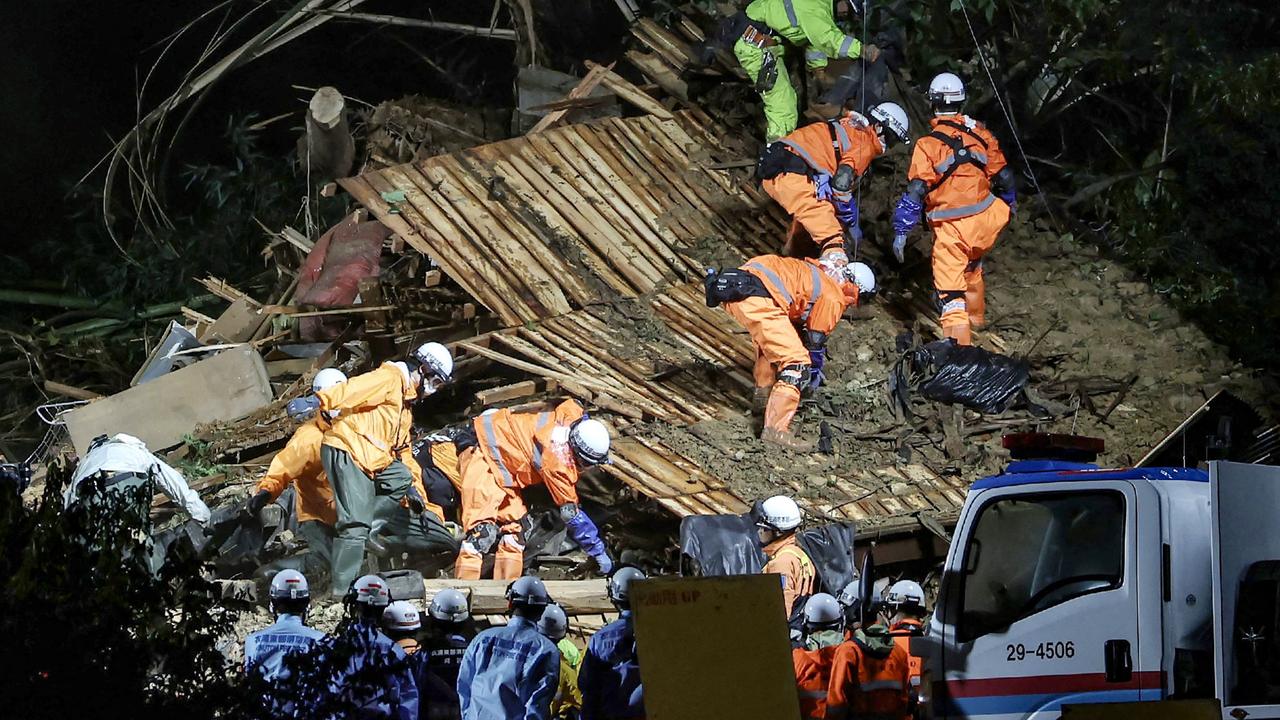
<point>668,46</point>
<point>236,324</point>
<point>632,94</point>
<point>577,597</point>
<point>588,83</point>
<point>71,391</point>
<point>539,272</point>
<point>503,393</point>
<point>605,383</point>
<point>659,72</point>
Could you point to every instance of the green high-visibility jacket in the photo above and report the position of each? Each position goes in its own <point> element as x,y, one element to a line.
<point>808,24</point>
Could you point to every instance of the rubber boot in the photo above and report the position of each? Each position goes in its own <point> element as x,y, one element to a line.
<point>759,400</point>
<point>508,562</point>
<point>469,564</point>
<point>782,406</point>
<point>348,560</point>
<point>960,333</point>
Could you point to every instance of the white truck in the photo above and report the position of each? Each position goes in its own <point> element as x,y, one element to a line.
<point>1069,584</point>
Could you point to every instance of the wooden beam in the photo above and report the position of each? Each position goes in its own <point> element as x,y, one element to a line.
<point>470,30</point>
<point>524,388</point>
<point>70,391</point>
<point>489,597</point>
<point>588,83</point>
<point>630,93</point>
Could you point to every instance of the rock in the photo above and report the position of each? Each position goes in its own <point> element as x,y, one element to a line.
<point>864,354</point>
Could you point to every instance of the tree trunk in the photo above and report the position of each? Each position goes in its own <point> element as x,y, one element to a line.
<point>327,150</point>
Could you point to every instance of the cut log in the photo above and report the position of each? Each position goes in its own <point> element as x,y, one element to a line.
<point>327,149</point>
<point>577,597</point>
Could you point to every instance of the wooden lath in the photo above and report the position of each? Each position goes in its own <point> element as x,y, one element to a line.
<point>539,226</point>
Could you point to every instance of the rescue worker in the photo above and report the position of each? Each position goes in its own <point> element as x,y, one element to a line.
<point>265,650</point>
<point>811,173</point>
<point>122,463</point>
<point>438,455</point>
<point>789,307</point>
<point>610,675</point>
<point>554,624</point>
<point>516,451</point>
<point>760,32</point>
<point>373,673</point>
<point>823,633</point>
<point>776,524</point>
<point>512,671</point>
<point>367,456</point>
<point>298,465</point>
<point>401,622</point>
<point>954,171</point>
<point>906,602</point>
<point>870,679</point>
<point>850,598</point>
<point>448,633</point>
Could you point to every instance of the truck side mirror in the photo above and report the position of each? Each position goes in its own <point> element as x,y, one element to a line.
<point>972,553</point>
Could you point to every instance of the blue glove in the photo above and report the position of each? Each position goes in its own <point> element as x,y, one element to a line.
<point>416,502</point>
<point>846,212</point>
<point>583,532</point>
<point>906,214</point>
<point>822,187</point>
<point>817,361</point>
<point>899,247</point>
<point>605,562</point>
<point>303,408</point>
<point>1010,197</point>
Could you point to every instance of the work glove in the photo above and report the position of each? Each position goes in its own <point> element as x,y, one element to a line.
<point>906,214</point>
<point>817,361</point>
<point>416,502</point>
<point>257,502</point>
<point>846,211</point>
<point>822,187</point>
<point>303,408</point>
<point>582,530</point>
<point>483,537</point>
<point>1010,198</point>
<point>899,248</point>
<point>870,53</point>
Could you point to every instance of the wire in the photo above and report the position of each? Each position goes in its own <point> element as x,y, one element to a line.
<point>982,58</point>
<point>862,100</point>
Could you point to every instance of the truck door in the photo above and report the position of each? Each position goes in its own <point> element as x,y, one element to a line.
<point>1045,602</point>
<point>1245,547</point>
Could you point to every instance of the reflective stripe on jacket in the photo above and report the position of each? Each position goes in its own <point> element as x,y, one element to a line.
<point>807,23</point>
<point>531,448</point>
<point>968,190</point>
<point>298,464</point>
<point>809,296</point>
<point>856,144</point>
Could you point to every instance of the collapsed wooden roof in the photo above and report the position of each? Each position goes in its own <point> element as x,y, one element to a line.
<point>588,243</point>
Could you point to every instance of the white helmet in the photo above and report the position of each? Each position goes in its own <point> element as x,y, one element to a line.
<point>893,117</point>
<point>905,593</point>
<point>327,378</point>
<point>946,89</point>
<point>289,585</point>
<point>851,593</point>
<point>449,605</point>
<point>862,275</point>
<point>553,624</point>
<point>401,616</point>
<point>822,609</point>
<point>781,513</point>
<point>436,359</point>
<point>590,441</point>
<point>371,590</point>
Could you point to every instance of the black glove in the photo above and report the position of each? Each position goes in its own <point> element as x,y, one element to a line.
<point>258,501</point>
<point>416,503</point>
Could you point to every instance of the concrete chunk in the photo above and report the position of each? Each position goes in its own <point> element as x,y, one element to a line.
<point>227,386</point>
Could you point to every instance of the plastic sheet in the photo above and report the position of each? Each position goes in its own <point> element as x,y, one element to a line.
<point>713,545</point>
<point>976,378</point>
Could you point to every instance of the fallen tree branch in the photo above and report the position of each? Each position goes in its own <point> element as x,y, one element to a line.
<point>469,30</point>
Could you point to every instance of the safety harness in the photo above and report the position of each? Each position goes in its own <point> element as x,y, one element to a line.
<point>960,154</point>
<point>815,276</point>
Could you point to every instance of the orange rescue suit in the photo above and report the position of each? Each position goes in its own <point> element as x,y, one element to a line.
<point>869,682</point>
<point>801,294</point>
<point>514,451</point>
<point>965,216</point>
<point>902,632</point>
<point>856,145</point>
<point>789,560</point>
<point>298,464</point>
<point>813,679</point>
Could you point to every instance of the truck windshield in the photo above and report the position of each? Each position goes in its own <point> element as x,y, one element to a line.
<point>1029,553</point>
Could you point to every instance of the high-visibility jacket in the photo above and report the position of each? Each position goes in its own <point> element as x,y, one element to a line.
<point>824,146</point>
<point>568,700</point>
<point>808,24</point>
<point>298,464</point>
<point>813,664</point>
<point>958,187</point>
<point>902,632</point>
<point>532,448</point>
<point>869,681</point>
<point>376,423</point>
<point>801,287</point>
<point>789,560</point>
